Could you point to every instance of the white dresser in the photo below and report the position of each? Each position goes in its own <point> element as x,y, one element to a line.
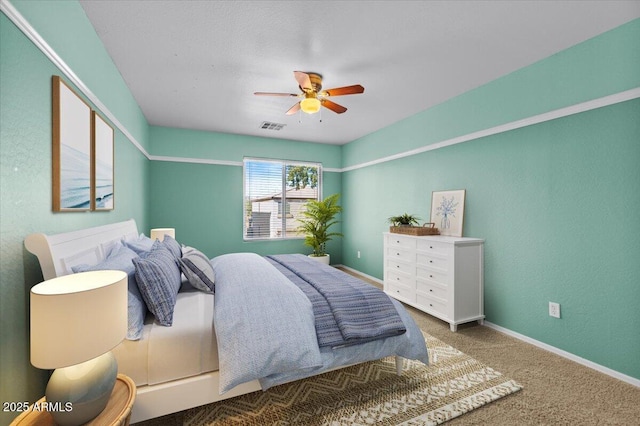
<point>442,276</point>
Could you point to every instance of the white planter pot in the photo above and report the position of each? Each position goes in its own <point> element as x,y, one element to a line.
<point>323,259</point>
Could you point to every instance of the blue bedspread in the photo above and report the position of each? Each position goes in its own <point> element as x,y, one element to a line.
<point>265,328</point>
<point>347,310</point>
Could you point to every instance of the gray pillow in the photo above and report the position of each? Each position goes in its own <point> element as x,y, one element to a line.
<point>173,246</point>
<point>198,270</point>
<point>121,259</point>
<point>158,277</point>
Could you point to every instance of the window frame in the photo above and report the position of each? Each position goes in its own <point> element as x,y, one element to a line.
<point>284,201</point>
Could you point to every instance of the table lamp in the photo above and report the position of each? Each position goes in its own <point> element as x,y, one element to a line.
<point>75,322</point>
<point>159,233</point>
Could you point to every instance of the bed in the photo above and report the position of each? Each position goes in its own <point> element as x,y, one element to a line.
<point>257,325</point>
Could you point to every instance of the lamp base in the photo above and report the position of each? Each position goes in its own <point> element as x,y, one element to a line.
<point>78,393</point>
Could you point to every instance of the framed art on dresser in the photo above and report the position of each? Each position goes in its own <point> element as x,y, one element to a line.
<point>447,211</point>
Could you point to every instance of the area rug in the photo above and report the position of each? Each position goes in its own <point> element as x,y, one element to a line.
<point>369,393</point>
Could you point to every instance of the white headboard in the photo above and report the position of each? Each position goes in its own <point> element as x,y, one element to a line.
<point>58,253</point>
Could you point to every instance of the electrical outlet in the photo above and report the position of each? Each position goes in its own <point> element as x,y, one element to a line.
<point>554,309</point>
<point>358,254</point>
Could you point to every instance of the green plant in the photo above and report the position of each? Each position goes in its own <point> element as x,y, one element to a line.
<point>318,217</point>
<point>405,219</point>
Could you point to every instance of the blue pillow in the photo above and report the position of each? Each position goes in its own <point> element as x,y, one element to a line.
<point>173,246</point>
<point>158,277</point>
<point>120,259</point>
<point>141,244</point>
<point>198,270</point>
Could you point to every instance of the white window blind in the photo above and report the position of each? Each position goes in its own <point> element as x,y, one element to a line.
<point>275,192</point>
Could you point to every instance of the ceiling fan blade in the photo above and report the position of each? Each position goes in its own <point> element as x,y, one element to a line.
<point>273,94</point>
<point>346,90</point>
<point>303,80</point>
<point>338,109</point>
<point>294,109</point>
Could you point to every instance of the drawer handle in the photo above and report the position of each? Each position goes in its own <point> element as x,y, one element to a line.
<point>397,254</point>
<point>397,291</point>
<point>397,266</point>
<point>431,304</point>
<point>430,276</point>
<point>397,279</point>
<point>430,247</point>
<point>431,290</point>
<point>398,241</point>
<point>431,261</point>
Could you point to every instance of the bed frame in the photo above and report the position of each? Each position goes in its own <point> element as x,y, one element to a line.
<point>58,253</point>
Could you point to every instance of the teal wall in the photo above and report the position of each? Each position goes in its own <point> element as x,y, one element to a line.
<point>557,202</point>
<point>25,183</point>
<point>181,143</point>
<point>209,196</point>
<point>554,201</point>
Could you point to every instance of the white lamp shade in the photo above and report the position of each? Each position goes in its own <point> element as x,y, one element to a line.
<point>159,233</point>
<point>77,317</point>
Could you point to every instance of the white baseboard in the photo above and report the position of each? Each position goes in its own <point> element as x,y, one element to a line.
<point>601,368</point>
<point>355,271</point>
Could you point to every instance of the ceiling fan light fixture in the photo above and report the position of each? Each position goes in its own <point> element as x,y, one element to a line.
<point>310,105</point>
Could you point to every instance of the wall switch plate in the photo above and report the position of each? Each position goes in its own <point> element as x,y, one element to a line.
<point>554,309</point>
<point>358,254</point>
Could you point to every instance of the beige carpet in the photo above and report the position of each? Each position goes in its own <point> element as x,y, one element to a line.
<point>369,393</point>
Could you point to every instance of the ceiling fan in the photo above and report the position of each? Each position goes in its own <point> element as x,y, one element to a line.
<point>313,96</point>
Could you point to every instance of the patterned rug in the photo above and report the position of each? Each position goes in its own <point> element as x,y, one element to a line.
<point>369,393</point>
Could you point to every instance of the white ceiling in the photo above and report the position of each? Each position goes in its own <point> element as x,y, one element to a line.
<point>196,64</point>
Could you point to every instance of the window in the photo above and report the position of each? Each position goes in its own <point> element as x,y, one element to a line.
<point>274,196</point>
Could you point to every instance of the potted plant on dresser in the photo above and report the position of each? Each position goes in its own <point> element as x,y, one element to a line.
<point>408,224</point>
<point>317,217</point>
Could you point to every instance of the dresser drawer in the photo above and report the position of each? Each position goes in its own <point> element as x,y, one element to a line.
<point>433,289</point>
<point>432,305</point>
<point>402,293</point>
<point>433,261</point>
<point>400,278</point>
<point>403,267</point>
<point>431,246</point>
<point>431,274</point>
<point>396,253</point>
<point>401,242</point>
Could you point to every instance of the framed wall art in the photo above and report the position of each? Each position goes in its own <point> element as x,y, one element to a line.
<point>102,188</point>
<point>447,211</point>
<point>71,149</point>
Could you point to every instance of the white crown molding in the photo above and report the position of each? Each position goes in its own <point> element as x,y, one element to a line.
<point>215,162</point>
<point>529,121</point>
<point>16,17</point>
<point>194,160</point>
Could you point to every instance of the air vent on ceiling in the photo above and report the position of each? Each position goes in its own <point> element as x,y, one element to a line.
<point>267,125</point>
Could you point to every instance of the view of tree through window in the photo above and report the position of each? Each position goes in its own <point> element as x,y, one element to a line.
<point>274,195</point>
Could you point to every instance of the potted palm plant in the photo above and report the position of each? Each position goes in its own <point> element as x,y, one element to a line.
<point>317,218</point>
